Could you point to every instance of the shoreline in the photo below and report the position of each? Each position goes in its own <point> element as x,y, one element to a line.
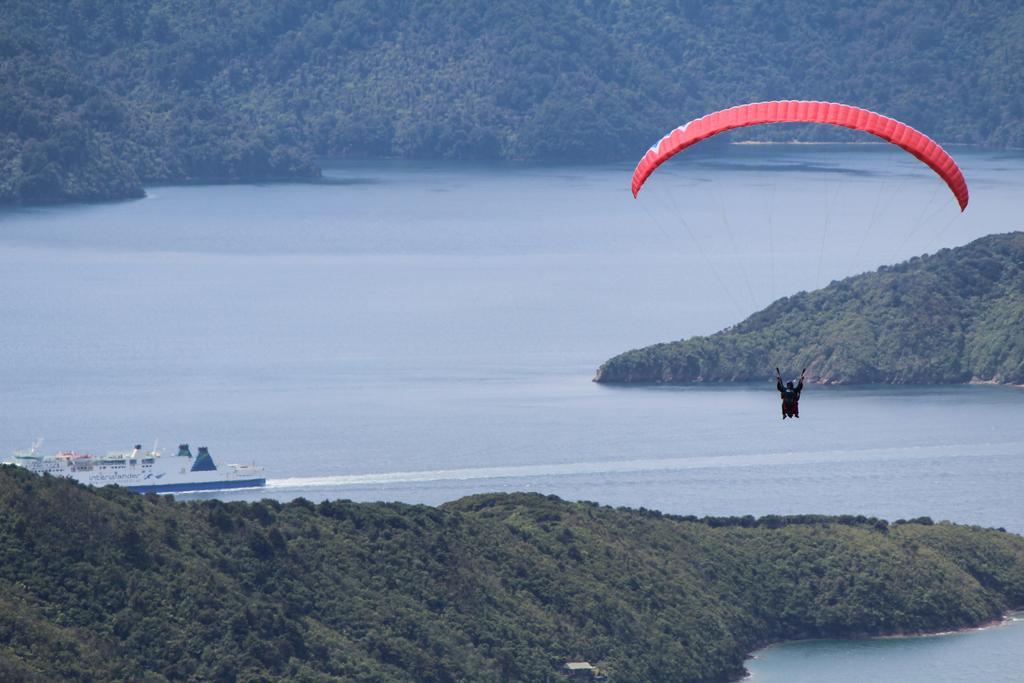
<point>1007,618</point>
<point>315,174</point>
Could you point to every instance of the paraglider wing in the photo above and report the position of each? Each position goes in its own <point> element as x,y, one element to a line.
<point>800,111</point>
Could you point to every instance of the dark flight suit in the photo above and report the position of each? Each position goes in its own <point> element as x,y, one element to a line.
<point>790,398</point>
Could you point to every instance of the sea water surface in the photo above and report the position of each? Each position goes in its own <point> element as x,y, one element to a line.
<point>991,655</point>
<point>419,332</point>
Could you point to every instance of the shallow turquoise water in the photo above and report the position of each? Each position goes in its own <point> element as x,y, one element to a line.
<point>991,655</point>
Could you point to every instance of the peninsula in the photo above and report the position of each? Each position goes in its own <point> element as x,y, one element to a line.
<point>955,316</point>
<point>105,584</point>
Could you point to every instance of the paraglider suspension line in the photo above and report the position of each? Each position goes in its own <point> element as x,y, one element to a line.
<point>700,250</point>
<point>732,244</point>
<point>824,234</point>
<point>771,238</point>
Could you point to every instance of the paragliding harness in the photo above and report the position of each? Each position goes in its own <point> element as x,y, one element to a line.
<point>790,394</point>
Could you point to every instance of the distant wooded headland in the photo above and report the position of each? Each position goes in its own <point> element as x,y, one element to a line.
<point>99,98</point>
<point>956,316</point>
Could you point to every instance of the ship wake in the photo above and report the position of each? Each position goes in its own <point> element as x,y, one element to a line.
<point>562,470</point>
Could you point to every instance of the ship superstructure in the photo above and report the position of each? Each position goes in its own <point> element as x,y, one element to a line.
<point>144,471</point>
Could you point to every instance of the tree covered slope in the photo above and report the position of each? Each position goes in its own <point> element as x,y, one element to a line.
<point>110,585</point>
<point>97,97</point>
<point>951,317</point>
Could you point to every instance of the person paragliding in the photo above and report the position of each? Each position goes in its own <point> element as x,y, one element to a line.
<point>790,394</point>
<point>888,129</point>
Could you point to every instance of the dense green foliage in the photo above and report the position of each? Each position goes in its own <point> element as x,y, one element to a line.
<point>97,97</point>
<point>954,316</point>
<point>106,584</point>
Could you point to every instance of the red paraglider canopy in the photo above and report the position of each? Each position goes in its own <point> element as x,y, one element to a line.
<point>801,111</point>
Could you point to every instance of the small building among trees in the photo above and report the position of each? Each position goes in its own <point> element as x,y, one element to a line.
<point>582,671</point>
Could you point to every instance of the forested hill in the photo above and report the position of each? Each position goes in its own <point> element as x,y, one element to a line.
<point>109,585</point>
<point>951,317</point>
<point>99,97</point>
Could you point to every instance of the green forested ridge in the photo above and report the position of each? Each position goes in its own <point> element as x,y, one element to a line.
<point>110,585</point>
<point>951,317</point>
<point>98,97</point>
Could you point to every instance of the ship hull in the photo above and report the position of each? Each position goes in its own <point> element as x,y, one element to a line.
<point>199,486</point>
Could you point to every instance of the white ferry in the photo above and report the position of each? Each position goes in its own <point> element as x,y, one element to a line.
<point>143,472</point>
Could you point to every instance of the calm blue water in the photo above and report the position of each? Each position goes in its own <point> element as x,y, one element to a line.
<point>420,332</point>
<point>991,655</point>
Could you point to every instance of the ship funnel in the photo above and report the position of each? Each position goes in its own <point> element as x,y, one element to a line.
<point>183,451</point>
<point>203,463</point>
